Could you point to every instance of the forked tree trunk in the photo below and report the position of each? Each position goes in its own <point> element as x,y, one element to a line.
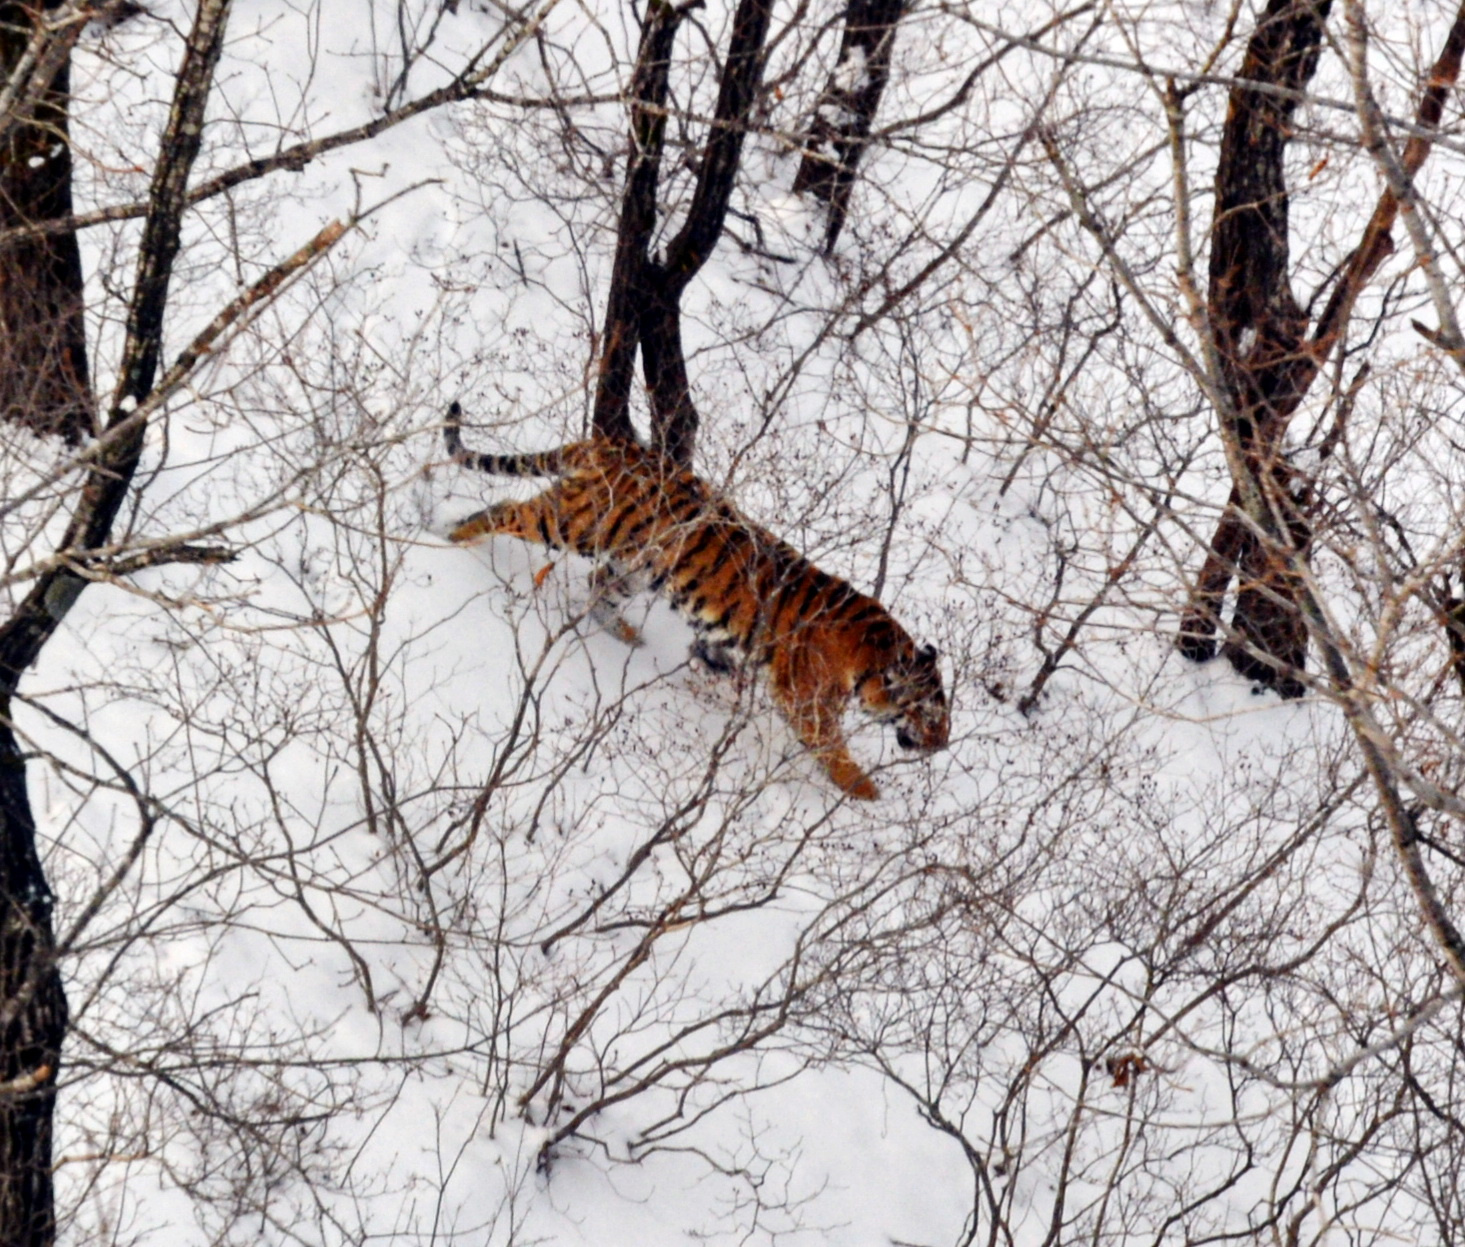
<point>1268,358</point>
<point>644,305</point>
<point>1261,339</point>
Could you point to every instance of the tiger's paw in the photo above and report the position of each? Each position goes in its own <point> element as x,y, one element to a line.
<point>719,659</point>
<point>624,632</point>
<point>611,620</point>
<point>846,773</point>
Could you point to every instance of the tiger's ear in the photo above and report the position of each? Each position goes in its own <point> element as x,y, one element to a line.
<point>926,655</point>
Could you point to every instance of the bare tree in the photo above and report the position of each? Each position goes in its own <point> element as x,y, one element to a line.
<point>47,390</point>
<point>1267,356</point>
<point>840,128</point>
<point>644,303</point>
<point>34,997</point>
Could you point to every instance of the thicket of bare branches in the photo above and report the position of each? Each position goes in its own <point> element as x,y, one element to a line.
<point>356,886</point>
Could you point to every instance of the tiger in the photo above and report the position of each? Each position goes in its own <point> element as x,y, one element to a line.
<point>750,598</point>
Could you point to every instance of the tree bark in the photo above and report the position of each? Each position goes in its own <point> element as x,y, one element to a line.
<point>839,131</point>
<point>629,278</point>
<point>33,1011</point>
<point>43,363</point>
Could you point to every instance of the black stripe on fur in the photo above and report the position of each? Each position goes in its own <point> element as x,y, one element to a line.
<point>541,463</point>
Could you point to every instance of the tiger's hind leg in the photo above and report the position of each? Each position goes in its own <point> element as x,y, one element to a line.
<point>815,717</point>
<point>609,588</point>
<point>535,520</point>
<point>531,521</point>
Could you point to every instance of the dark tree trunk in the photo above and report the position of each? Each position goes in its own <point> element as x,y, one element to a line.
<point>43,363</point>
<point>1197,636</point>
<point>644,305</point>
<point>839,131</point>
<point>44,386</point>
<point>629,277</point>
<point>1268,361</point>
<point>1268,642</point>
<point>33,1013</point>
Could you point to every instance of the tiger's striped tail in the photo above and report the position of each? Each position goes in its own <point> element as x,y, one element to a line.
<point>538,463</point>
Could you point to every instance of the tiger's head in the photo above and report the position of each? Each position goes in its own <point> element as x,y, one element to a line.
<point>908,693</point>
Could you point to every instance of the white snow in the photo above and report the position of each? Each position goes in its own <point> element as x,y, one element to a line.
<point>438,864</point>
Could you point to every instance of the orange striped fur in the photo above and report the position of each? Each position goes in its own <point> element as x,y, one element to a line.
<point>749,596</point>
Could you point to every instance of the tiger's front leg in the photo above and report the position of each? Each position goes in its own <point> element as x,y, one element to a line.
<point>848,774</point>
<point>534,521</point>
<point>816,720</point>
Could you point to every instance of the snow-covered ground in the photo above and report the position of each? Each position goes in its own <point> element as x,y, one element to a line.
<point>462,922</point>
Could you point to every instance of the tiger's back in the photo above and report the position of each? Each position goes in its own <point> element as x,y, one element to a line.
<point>742,589</point>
